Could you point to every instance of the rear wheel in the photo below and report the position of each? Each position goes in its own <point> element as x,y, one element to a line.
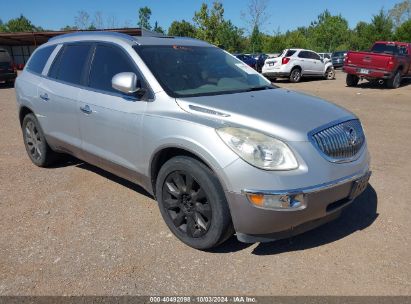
<point>352,80</point>
<point>192,203</point>
<point>35,142</point>
<point>395,81</point>
<point>295,75</point>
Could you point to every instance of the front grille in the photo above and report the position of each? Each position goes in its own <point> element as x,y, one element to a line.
<point>341,142</point>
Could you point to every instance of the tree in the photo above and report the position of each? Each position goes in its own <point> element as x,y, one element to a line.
<point>256,15</point>
<point>98,22</point>
<point>381,27</point>
<point>182,28</point>
<point>69,28</point>
<point>82,20</point>
<point>403,32</point>
<point>20,24</point>
<point>158,28</point>
<point>209,21</point>
<point>400,13</point>
<point>230,37</point>
<point>256,40</point>
<point>328,32</point>
<point>144,14</point>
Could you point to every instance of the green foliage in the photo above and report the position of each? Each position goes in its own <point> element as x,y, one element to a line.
<point>212,27</point>
<point>20,24</point>
<point>403,32</point>
<point>381,27</point>
<point>256,40</point>
<point>158,28</point>
<point>144,14</point>
<point>182,29</point>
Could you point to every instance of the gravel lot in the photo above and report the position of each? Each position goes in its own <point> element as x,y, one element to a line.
<point>77,230</point>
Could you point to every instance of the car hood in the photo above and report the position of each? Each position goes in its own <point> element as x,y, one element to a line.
<point>282,113</point>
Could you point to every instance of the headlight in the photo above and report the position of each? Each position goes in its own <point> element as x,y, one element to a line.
<point>259,150</point>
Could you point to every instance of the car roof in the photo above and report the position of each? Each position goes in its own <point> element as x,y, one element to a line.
<point>124,38</point>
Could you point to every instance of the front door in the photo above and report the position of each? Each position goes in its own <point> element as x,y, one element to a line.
<point>110,121</point>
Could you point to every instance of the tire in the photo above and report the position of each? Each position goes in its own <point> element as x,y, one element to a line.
<point>295,75</point>
<point>35,142</point>
<point>352,80</point>
<point>192,203</point>
<point>395,81</point>
<point>330,74</point>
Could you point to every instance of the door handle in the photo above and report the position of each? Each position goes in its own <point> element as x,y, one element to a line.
<point>86,109</point>
<point>45,97</point>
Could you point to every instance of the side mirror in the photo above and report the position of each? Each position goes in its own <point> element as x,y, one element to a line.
<point>127,82</point>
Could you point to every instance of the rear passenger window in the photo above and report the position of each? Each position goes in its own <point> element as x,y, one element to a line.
<point>70,64</point>
<point>290,53</point>
<point>39,59</point>
<point>108,61</point>
<point>304,54</point>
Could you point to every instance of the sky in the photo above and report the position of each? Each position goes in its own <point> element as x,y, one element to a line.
<point>283,15</point>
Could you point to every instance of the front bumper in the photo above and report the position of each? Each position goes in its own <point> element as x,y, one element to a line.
<point>323,203</point>
<point>372,74</point>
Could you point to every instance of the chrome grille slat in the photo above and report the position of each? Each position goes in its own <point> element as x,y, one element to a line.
<point>341,142</point>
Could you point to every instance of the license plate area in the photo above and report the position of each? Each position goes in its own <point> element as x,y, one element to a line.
<point>364,71</point>
<point>359,186</point>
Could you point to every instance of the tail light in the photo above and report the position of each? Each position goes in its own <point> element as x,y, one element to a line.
<point>285,60</point>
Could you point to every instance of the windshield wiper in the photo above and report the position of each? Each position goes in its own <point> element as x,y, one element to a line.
<point>260,88</point>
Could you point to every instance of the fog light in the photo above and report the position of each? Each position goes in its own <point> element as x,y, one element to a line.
<point>278,201</point>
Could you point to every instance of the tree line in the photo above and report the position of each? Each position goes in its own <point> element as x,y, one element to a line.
<point>326,33</point>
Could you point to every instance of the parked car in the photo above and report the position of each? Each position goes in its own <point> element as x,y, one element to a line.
<point>8,71</point>
<point>248,60</point>
<point>337,58</point>
<point>388,62</point>
<point>260,58</point>
<point>325,56</point>
<point>297,63</point>
<point>220,148</point>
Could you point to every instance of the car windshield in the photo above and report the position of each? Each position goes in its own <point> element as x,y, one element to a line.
<point>187,71</point>
<point>338,54</point>
<point>385,48</point>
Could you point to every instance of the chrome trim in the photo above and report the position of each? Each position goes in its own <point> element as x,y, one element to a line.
<point>311,189</point>
<point>338,143</point>
<point>207,111</point>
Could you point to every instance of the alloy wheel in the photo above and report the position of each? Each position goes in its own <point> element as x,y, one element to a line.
<point>33,140</point>
<point>187,204</point>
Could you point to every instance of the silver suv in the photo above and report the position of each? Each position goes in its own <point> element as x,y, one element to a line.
<point>221,149</point>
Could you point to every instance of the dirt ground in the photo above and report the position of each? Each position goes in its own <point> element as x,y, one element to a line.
<point>77,230</point>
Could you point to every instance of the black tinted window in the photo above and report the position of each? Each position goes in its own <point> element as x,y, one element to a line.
<point>304,54</point>
<point>108,61</point>
<point>39,59</point>
<point>70,64</point>
<point>290,53</point>
<point>385,48</point>
<point>314,56</point>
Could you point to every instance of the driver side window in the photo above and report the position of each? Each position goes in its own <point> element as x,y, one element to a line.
<point>108,61</point>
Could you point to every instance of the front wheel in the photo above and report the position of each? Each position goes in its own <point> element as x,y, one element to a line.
<point>395,81</point>
<point>330,74</point>
<point>192,203</point>
<point>295,75</point>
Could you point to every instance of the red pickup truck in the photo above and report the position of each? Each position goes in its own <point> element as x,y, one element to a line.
<point>387,62</point>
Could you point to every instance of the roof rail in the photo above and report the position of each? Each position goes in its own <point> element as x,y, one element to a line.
<point>86,33</point>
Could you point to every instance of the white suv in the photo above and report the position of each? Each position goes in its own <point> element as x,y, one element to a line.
<point>297,63</point>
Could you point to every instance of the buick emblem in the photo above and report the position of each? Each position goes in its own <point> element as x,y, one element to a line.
<point>352,136</point>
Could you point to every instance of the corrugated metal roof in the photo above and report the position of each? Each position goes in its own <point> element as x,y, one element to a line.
<point>37,38</point>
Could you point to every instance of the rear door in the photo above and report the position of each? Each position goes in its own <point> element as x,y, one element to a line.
<point>110,121</point>
<point>59,92</point>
